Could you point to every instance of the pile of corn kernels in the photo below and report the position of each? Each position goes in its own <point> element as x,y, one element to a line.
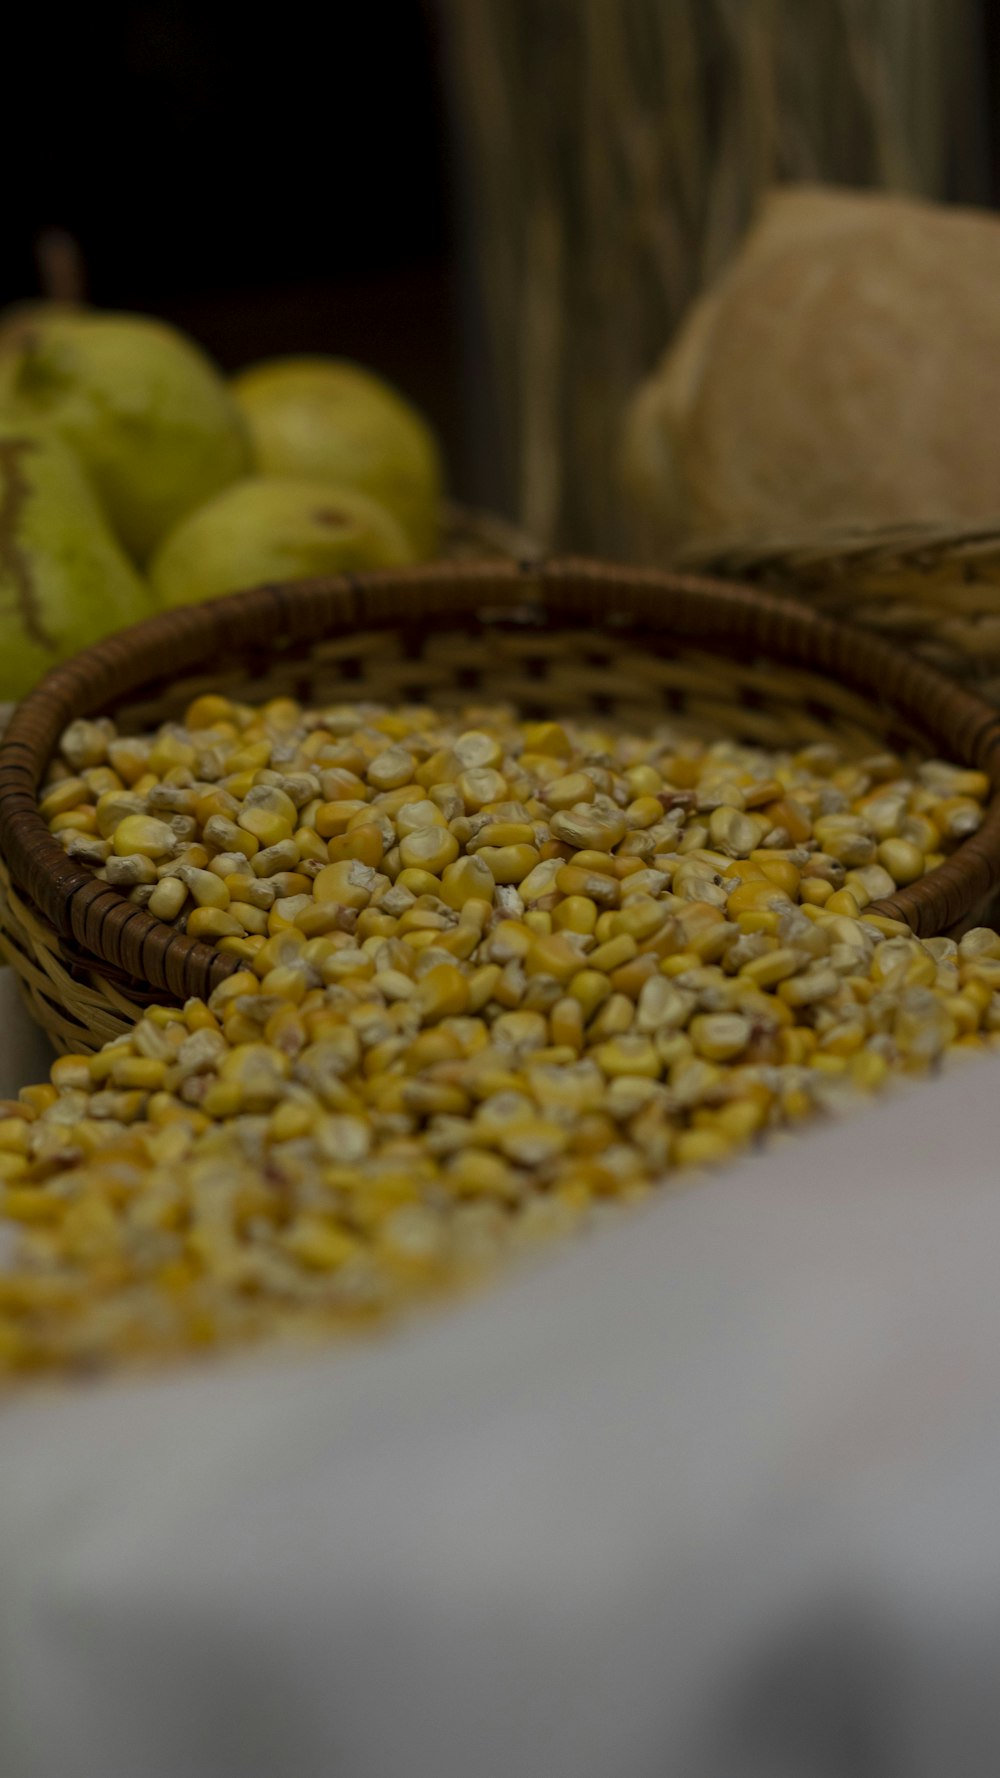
<point>494,977</point>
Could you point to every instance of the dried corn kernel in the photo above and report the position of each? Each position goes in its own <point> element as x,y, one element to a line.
<point>493,971</point>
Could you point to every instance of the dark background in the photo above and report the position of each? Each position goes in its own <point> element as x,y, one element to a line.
<point>270,187</point>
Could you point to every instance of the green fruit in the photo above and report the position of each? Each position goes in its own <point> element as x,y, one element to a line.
<point>149,416</point>
<point>268,529</point>
<point>327,419</point>
<point>64,580</point>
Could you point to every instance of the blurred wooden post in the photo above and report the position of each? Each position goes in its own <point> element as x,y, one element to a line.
<point>61,270</point>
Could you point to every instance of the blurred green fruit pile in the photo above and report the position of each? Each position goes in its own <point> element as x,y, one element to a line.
<point>133,477</point>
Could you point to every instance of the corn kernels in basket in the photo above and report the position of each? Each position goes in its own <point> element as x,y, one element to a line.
<point>607,958</point>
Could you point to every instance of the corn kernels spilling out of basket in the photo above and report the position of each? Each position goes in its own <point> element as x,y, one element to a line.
<point>495,977</point>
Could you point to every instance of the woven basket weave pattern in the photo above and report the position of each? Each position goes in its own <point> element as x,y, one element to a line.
<point>930,588</point>
<point>558,638</point>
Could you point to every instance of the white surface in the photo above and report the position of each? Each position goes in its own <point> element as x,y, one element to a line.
<point>715,1493</point>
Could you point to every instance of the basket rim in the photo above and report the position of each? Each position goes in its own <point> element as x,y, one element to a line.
<point>820,547</point>
<point>104,933</point>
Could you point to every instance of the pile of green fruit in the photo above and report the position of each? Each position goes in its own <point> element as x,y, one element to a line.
<point>133,477</point>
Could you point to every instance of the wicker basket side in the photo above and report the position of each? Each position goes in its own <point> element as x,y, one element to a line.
<point>929,588</point>
<point>78,1009</point>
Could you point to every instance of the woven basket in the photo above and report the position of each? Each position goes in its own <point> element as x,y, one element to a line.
<point>930,588</point>
<point>555,638</point>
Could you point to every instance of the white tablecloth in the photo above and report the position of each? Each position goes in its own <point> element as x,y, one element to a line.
<point>716,1493</point>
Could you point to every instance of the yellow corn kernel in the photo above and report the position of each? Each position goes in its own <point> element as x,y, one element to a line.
<point>15,1135</point>
<point>566,1023</point>
<point>268,828</point>
<point>773,967</point>
<point>68,794</point>
<point>792,817</point>
<point>419,882</point>
<point>481,786</point>
<point>252,919</point>
<point>644,812</point>
<point>143,1072</point>
<point>815,891</point>
<point>756,898</point>
<point>570,789</point>
<point>169,751</point>
<point>679,963</point>
<point>206,889</point>
<point>630,978</point>
<point>82,819</point>
<point>548,739</point>
<point>533,1141</point>
<point>321,1245</point>
<point>701,1148</point>
<point>552,955</point>
<point>825,1063</point>
<point>843,1040</point>
<point>628,1054</point>
<point>38,1097</point>
<point>508,864</point>
<point>979,993</point>
<point>505,833</point>
<point>443,993</point>
<point>613,953</point>
<point>741,1120</point>
<point>225,836</point>
<point>868,1070</point>
<point>955,818</point>
<point>429,848</point>
<point>28,1204</point>
<point>146,835</point>
<point>363,842</point>
<point>482,984</point>
<point>719,1037</point>
<point>212,923</point>
<point>796,1045</point>
<point>705,931</point>
<point>639,919</point>
<point>475,1174</point>
<point>612,1019</point>
<point>423,941</point>
<point>844,901</point>
<point>591,989</point>
<point>809,988</point>
<point>590,885</point>
<point>540,883</point>
<point>333,819</point>
<point>208,711</point>
<point>904,862</point>
<point>243,948</point>
<point>348,883</point>
<point>167,898</point>
<point>71,1071</point>
<point>644,780</point>
<point>392,769</point>
<point>964,1010</point>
